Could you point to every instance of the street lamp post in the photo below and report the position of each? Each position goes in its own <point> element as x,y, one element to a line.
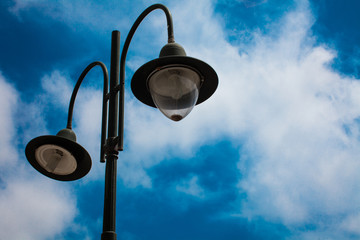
<point>174,83</point>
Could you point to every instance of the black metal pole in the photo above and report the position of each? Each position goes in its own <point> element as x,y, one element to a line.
<point>112,154</point>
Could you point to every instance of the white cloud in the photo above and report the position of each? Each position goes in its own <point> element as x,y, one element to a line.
<point>38,208</point>
<point>296,117</point>
<point>351,224</point>
<point>300,160</point>
<point>57,89</point>
<point>8,98</point>
<point>247,3</point>
<point>31,207</point>
<point>191,187</point>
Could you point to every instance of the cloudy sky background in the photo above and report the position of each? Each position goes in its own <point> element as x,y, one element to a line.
<point>273,154</point>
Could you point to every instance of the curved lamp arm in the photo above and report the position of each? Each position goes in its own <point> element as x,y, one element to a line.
<point>171,39</point>
<point>104,108</point>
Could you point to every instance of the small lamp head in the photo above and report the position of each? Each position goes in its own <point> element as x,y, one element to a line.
<point>59,157</point>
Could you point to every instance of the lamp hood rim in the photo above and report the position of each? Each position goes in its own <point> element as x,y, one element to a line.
<point>140,77</point>
<point>80,154</point>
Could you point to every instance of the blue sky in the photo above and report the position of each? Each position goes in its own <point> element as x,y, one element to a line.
<point>273,154</point>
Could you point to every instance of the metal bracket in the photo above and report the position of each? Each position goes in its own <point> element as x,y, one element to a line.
<point>111,146</point>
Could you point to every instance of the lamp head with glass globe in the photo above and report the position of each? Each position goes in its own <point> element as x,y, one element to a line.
<point>174,83</point>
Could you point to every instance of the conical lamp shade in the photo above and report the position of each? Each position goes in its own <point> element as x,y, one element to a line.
<point>58,157</point>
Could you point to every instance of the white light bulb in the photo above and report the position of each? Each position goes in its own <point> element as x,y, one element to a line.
<point>55,159</point>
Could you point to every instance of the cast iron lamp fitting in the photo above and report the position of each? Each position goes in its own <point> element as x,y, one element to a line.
<point>174,83</point>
